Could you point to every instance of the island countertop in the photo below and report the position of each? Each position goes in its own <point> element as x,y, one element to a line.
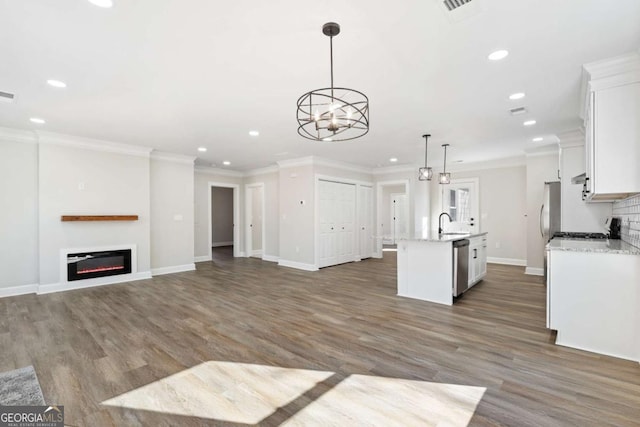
<point>433,236</point>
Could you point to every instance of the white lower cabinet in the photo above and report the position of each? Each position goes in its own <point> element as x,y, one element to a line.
<point>477,259</point>
<point>593,302</point>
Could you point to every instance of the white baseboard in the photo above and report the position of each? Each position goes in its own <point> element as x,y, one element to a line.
<point>376,255</point>
<point>173,269</point>
<point>507,261</point>
<point>202,258</point>
<point>218,244</point>
<point>534,271</point>
<point>18,290</point>
<point>90,283</point>
<point>241,254</point>
<point>297,265</point>
<point>257,252</point>
<point>270,258</point>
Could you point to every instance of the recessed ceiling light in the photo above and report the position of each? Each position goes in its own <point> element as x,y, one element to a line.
<point>529,123</point>
<point>517,95</point>
<point>327,139</point>
<point>226,163</point>
<point>56,83</point>
<point>254,133</point>
<point>537,139</point>
<point>498,55</point>
<point>202,149</point>
<point>37,120</point>
<point>102,3</point>
<point>393,160</point>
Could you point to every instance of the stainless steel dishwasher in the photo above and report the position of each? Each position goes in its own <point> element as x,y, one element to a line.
<point>460,266</point>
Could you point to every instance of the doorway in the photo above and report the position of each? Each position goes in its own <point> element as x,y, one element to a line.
<point>392,214</point>
<point>460,200</point>
<point>254,213</point>
<point>224,217</point>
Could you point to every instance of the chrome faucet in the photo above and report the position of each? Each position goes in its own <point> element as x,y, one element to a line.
<point>440,221</point>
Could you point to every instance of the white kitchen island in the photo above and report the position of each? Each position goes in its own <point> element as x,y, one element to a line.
<point>425,266</point>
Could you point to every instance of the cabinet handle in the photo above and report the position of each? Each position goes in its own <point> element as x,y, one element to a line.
<point>475,253</point>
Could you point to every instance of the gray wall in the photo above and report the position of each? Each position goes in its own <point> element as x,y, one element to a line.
<point>503,208</point>
<point>171,212</point>
<point>19,213</point>
<point>76,181</point>
<point>297,228</point>
<point>221,216</point>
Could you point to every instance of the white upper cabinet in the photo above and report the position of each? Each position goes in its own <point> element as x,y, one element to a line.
<point>612,128</point>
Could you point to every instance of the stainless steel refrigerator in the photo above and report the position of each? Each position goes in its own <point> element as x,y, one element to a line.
<point>550,210</point>
<point>550,215</point>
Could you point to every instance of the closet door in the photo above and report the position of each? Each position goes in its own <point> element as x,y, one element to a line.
<point>328,233</point>
<point>346,208</point>
<point>365,221</point>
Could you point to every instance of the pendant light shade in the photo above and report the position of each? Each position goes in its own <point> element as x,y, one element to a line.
<point>445,177</point>
<point>425,173</point>
<point>335,113</point>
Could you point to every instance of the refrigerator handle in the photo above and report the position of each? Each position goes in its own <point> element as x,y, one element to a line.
<point>541,226</point>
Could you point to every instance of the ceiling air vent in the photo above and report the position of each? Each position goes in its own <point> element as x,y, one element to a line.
<point>517,111</point>
<point>454,4</point>
<point>6,96</point>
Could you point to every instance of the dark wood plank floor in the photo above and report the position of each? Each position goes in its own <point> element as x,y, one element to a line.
<point>90,345</point>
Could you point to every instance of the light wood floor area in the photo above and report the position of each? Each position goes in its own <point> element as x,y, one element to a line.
<point>95,348</point>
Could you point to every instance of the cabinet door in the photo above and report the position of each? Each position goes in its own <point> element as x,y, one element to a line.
<point>617,140</point>
<point>482,260</point>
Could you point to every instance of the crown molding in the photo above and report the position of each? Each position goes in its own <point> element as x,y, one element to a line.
<point>262,171</point>
<point>18,135</point>
<point>505,162</point>
<point>547,150</point>
<point>172,157</point>
<point>572,138</point>
<point>394,169</point>
<point>340,165</point>
<point>217,171</point>
<point>92,144</point>
<point>293,163</point>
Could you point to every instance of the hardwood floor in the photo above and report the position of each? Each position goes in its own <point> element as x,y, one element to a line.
<point>94,345</point>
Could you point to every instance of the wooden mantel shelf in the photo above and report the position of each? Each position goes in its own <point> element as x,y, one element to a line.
<point>99,218</point>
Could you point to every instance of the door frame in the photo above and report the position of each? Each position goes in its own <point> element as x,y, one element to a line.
<point>316,213</point>
<point>378,244</point>
<point>476,197</point>
<point>248,209</point>
<point>236,216</point>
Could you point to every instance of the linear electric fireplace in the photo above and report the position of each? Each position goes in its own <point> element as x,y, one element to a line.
<point>88,265</point>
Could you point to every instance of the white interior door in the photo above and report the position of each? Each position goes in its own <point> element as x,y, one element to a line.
<point>347,221</point>
<point>365,220</point>
<point>256,224</point>
<point>399,217</point>
<point>327,221</point>
<point>460,201</point>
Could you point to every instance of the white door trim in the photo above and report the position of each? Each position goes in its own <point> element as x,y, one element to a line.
<point>378,243</point>
<point>248,208</point>
<point>236,216</point>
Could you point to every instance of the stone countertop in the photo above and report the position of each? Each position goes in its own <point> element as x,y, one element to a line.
<point>452,237</point>
<point>604,246</point>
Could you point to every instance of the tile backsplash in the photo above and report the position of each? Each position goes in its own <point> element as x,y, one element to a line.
<point>629,211</point>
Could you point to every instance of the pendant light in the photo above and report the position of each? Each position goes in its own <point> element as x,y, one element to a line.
<point>445,177</point>
<point>334,113</point>
<point>425,173</point>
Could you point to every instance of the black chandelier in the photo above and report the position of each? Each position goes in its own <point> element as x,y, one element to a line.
<point>335,113</point>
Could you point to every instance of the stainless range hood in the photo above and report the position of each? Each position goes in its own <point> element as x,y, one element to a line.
<point>579,179</point>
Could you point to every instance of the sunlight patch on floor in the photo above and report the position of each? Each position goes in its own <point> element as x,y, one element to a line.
<point>367,400</point>
<point>226,391</point>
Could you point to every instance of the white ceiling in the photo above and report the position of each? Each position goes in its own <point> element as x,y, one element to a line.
<point>177,75</point>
